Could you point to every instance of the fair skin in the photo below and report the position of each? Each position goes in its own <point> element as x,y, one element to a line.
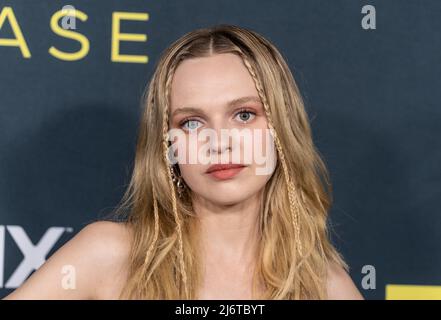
<point>228,210</point>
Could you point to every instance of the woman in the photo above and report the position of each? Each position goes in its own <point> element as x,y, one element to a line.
<point>205,231</point>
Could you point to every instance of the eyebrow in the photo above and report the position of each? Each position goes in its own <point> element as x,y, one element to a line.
<point>230,104</point>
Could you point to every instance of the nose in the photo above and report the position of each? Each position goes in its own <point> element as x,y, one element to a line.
<point>221,145</point>
<point>220,142</point>
<point>224,145</point>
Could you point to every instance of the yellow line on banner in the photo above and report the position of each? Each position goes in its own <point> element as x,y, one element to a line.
<point>412,292</point>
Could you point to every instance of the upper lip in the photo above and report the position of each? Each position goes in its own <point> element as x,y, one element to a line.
<point>217,167</point>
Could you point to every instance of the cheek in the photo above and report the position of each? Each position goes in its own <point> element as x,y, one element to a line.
<point>188,150</point>
<point>191,173</point>
<point>259,148</point>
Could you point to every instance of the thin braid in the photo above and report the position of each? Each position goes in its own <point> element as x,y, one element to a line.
<point>294,209</point>
<point>170,182</point>
<point>155,235</point>
<point>156,218</point>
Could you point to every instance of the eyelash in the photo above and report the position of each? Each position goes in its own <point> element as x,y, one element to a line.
<point>243,110</point>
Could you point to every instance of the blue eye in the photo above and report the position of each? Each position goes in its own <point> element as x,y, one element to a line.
<point>245,115</point>
<point>190,124</point>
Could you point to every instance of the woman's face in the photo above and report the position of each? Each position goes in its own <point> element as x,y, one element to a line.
<point>217,111</point>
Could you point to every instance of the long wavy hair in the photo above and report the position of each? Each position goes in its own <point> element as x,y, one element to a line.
<point>294,249</point>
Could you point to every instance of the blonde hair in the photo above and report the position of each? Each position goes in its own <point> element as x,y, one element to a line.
<point>294,250</point>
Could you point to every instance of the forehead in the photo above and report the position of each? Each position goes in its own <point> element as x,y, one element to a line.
<point>210,81</point>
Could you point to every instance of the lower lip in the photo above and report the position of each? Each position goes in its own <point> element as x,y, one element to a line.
<point>226,174</point>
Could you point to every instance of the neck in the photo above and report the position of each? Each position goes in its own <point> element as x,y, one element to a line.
<point>229,233</point>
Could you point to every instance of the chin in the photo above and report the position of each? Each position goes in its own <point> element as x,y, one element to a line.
<point>227,200</point>
<point>228,195</point>
<point>228,192</point>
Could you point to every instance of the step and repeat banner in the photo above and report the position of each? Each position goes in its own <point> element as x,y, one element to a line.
<point>369,71</point>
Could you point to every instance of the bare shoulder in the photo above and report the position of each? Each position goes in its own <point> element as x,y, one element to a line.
<point>108,241</point>
<point>113,237</point>
<point>92,265</point>
<point>340,285</point>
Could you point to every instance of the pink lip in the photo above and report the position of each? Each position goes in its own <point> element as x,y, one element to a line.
<point>224,171</point>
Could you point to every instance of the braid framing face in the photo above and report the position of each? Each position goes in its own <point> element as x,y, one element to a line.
<point>293,200</point>
<point>148,256</point>
<point>170,180</point>
<point>294,204</point>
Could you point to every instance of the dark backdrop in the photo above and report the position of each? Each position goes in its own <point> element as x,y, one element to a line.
<point>68,128</point>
